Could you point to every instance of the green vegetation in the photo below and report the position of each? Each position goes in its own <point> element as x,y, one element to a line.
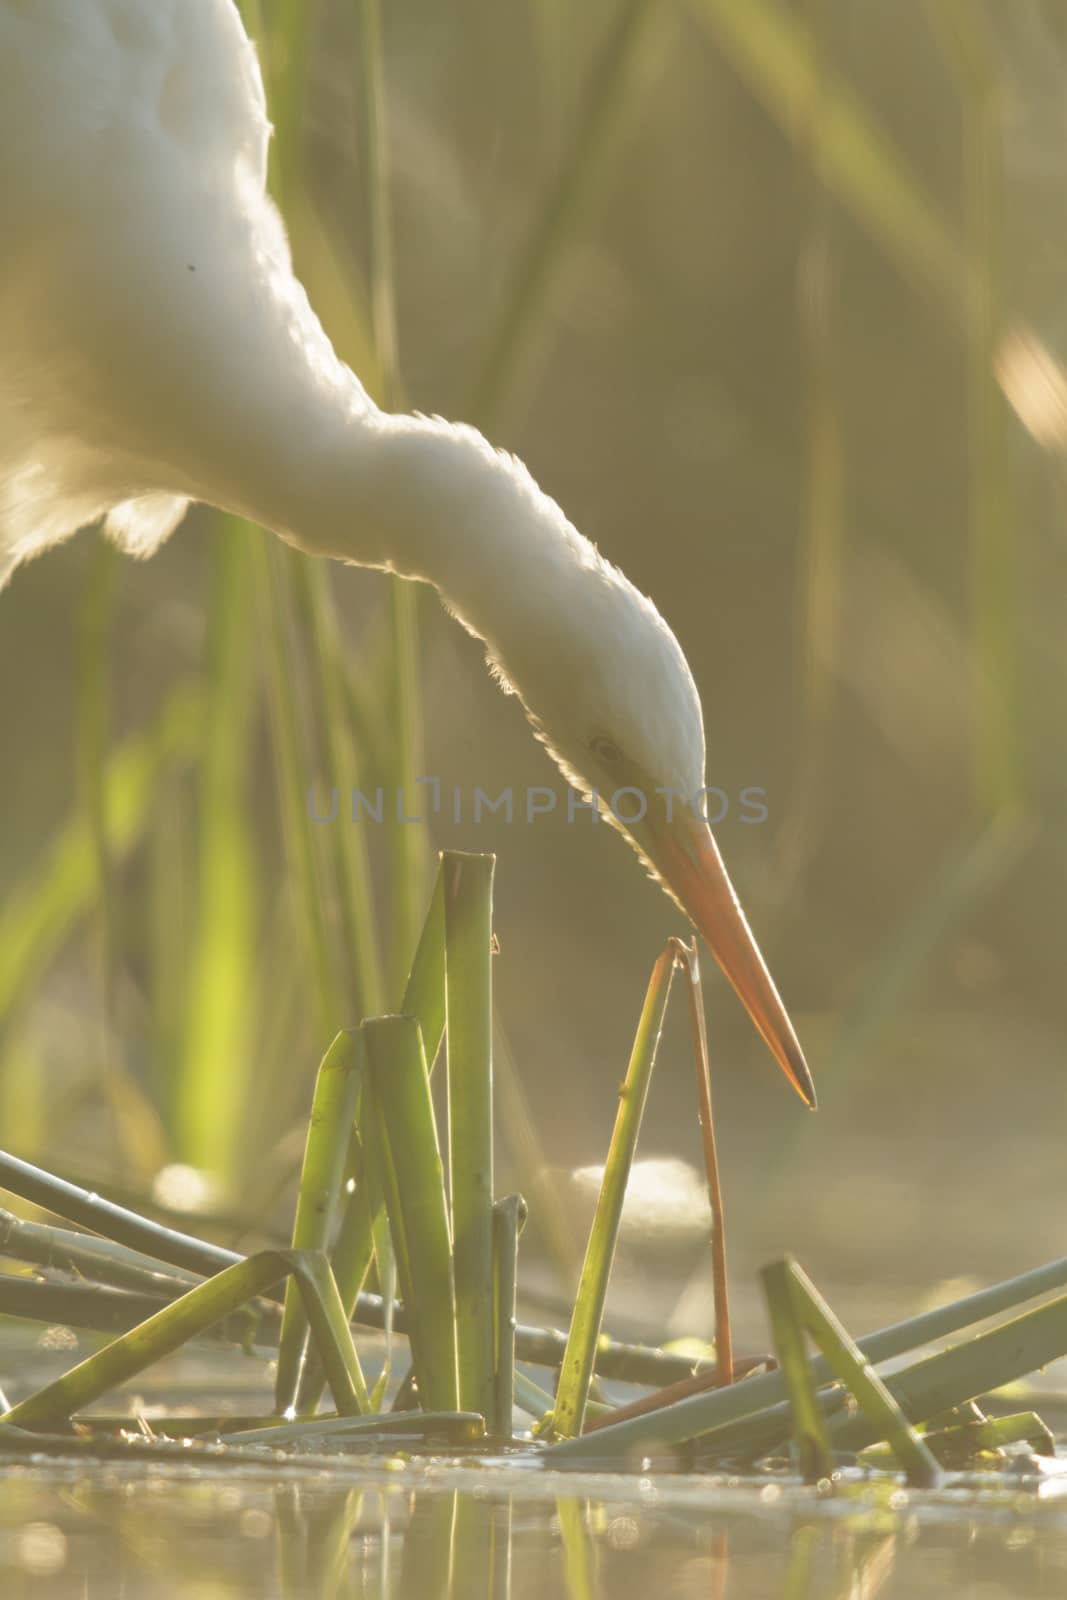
<point>373,1093</point>
<point>216,938</point>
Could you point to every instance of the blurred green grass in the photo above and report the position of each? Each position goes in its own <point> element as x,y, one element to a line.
<point>734,280</point>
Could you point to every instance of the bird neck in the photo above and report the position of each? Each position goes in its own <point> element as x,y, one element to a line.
<point>434,501</point>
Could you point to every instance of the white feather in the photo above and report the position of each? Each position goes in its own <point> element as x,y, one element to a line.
<point>155,347</point>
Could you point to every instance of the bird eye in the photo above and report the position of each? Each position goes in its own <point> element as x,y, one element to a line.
<point>604,749</point>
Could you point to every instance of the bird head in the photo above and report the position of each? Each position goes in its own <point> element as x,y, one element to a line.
<point>620,714</point>
<point>602,678</point>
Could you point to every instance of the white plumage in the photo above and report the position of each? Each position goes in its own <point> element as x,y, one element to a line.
<point>155,348</point>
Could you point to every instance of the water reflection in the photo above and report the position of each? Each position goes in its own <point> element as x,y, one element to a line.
<point>405,1535</point>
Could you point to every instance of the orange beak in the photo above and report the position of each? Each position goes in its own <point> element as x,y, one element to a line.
<point>686,854</point>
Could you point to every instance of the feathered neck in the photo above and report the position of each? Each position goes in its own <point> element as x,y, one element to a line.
<point>434,501</point>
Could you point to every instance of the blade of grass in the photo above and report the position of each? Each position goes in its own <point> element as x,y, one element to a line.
<point>279,1039</point>
<point>459,1427</point>
<point>809,1441</point>
<point>577,1368</point>
<point>972,53</point>
<point>287,45</point>
<point>468,902</point>
<point>373,140</point>
<point>352,1251</point>
<point>274,581</point>
<point>987,1362</point>
<point>328,1132</point>
<point>359,981</point>
<point>97,1260</point>
<point>556,64</point>
<point>288,576</point>
<point>363,983</point>
<point>252,17</point>
<point>408,863</point>
<point>958,1447</point>
<point>171,872</point>
<point>101,1309</point>
<point>794,1305</point>
<point>413,1179</point>
<point>408,857</point>
<point>692,1418</point>
<point>508,1216</point>
<point>93,1211</point>
<point>696,1383</point>
<point>773,52</point>
<point>538,1402</point>
<point>363,1219</point>
<point>824,512</point>
<point>197,1310</point>
<point>531,1397</point>
<point>385,1268</point>
<point>424,995</point>
<point>93,734</point>
<point>110,1310</point>
<point>568,202</point>
<point>212,1082</point>
<point>39,913</point>
<point>335,288</point>
<point>926,1389</point>
<point>688,960</point>
<point>825,525</point>
<point>629,1363</point>
<point>330,1330</point>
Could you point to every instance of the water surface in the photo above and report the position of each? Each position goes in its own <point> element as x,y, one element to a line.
<point>404,1529</point>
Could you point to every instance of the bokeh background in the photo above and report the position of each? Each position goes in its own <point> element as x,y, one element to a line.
<point>770,297</point>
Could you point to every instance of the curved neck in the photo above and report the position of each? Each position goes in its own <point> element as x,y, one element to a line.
<point>434,501</point>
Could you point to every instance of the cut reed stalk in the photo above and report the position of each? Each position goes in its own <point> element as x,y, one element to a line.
<point>468,904</point>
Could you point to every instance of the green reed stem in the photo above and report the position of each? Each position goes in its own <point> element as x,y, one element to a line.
<point>272,559</point>
<point>468,902</point>
<point>567,202</point>
<point>362,982</point>
<point>197,1310</point>
<point>579,1358</point>
<point>508,1217</point>
<point>407,842</point>
<point>328,1134</point>
<point>972,53</point>
<point>364,1216</point>
<point>39,913</point>
<point>794,1305</point>
<point>413,1181</point>
<point>719,1410</point>
<point>94,721</point>
<point>212,1083</point>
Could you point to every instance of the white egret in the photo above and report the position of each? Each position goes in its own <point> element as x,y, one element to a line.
<point>156,348</point>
